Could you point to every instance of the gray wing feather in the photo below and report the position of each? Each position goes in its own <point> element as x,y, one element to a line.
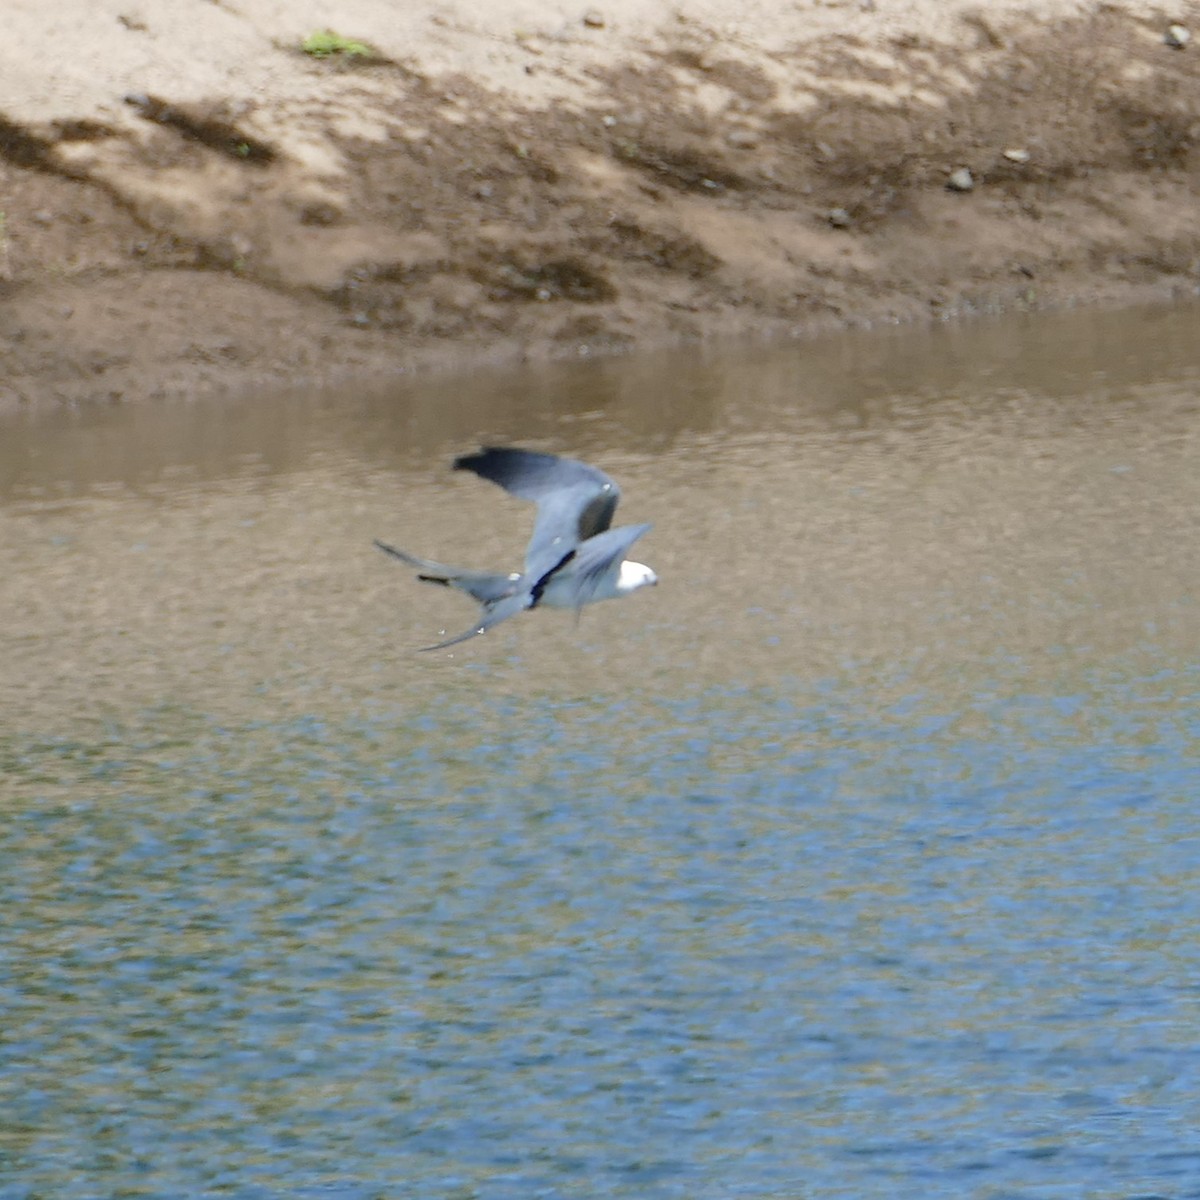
<point>531,475</point>
<point>597,555</point>
<point>575,501</point>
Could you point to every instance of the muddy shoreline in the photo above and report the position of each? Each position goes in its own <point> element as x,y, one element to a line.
<point>360,215</point>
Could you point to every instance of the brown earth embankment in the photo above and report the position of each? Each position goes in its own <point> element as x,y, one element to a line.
<point>177,217</point>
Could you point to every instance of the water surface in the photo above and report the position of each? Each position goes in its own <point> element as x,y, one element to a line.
<point>859,858</point>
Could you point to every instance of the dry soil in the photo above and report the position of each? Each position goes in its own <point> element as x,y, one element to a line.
<point>190,201</point>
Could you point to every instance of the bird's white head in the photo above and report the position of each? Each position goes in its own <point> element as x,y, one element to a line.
<point>634,575</point>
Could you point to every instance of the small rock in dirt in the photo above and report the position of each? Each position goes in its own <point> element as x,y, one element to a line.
<point>1017,155</point>
<point>839,218</point>
<point>1177,36</point>
<point>320,212</point>
<point>593,18</point>
<point>961,180</point>
<point>742,139</point>
<point>43,216</point>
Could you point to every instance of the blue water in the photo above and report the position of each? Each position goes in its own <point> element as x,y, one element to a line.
<point>777,942</point>
<point>860,859</point>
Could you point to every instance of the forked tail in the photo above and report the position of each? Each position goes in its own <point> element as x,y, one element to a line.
<point>485,587</point>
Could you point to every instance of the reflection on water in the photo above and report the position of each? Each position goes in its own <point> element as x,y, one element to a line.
<point>857,859</point>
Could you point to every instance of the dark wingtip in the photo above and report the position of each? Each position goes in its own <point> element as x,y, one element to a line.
<point>484,459</point>
<point>469,462</point>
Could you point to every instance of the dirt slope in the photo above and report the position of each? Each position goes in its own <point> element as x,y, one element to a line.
<point>190,201</point>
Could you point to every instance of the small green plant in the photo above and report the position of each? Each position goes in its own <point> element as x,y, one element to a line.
<point>325,44</point>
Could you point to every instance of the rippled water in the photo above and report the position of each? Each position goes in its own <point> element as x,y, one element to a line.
<point>858,859</point>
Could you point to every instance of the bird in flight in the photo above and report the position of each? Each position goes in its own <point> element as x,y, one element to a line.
<point>573,558</point>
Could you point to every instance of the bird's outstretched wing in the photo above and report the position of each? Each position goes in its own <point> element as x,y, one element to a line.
<point>596,556</point>
<point>574,501</point>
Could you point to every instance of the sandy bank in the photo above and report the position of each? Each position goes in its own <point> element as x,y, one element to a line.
<point>190,201</point>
